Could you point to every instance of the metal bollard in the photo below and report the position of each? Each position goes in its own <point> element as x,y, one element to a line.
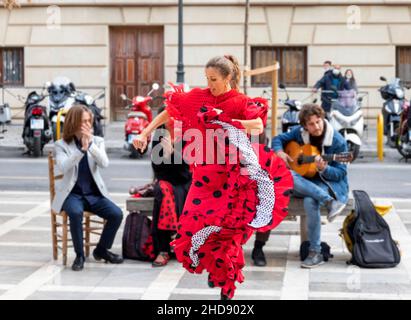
<point>380,137</point>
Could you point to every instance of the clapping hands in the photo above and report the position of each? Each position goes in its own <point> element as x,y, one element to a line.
<point>86,136</point>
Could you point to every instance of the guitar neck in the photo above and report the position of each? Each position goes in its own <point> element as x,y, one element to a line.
<point>311,159</point>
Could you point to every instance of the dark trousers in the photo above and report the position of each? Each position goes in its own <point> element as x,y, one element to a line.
<point>75,205</point>
<point>262,236</point>
<point>162,238</point>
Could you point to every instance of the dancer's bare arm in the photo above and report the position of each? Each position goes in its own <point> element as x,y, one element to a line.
<point>254,126</point>
<point>141,141</point>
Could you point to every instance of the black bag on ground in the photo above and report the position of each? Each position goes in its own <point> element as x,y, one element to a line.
<point>325,250</point>
<point>137,240</point>
<point>373,246</point>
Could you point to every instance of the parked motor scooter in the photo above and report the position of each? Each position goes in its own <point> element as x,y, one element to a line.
<point>393,106</point>
<point>61,98</point>
<point>5,118</point>
<point>90,102</point>
<point>403,142</point>
<point>289,119</point>
<point>137,120</point>
<point>63,95</point>
<point>36,129</point>
<point>347,118</point>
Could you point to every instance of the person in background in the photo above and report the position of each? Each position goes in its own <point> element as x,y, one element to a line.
<point>329,187</point>
<point>173,180</point>
<point>331,81</point>
<point>327,65</point>
<point>349,77</point>
<point>80,156</point>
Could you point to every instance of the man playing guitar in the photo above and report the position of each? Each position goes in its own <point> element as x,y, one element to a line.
<point>328,186</point>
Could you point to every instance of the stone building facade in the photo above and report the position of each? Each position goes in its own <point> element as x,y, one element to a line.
<point>123,46</point>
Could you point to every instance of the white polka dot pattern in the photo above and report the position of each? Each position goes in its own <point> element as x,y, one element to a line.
<point>266,194</point>
<point>265,186</point>
<point>198,240</point>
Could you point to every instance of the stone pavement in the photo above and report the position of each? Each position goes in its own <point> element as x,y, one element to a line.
<point>27,270</point>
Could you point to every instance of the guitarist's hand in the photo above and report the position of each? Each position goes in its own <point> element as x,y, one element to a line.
<point>320,163</point>
<point>285,157</point>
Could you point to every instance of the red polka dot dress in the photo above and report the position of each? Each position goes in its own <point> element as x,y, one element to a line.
<point>228,200</point>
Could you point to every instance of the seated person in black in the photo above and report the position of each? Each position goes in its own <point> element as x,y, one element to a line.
<point>173,180</point>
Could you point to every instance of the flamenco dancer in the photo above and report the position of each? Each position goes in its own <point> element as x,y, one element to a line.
<point>228,200</point>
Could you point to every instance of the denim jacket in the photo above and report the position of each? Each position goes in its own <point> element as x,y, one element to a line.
<point>335,175</point>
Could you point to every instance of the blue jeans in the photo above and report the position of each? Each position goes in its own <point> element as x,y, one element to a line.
<point>75,205</point>
<point>315,195</point>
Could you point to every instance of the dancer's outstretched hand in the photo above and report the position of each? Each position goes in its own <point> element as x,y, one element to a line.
<point>140,142</point>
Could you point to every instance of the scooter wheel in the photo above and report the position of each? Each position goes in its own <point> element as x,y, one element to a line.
<point>37,147</point>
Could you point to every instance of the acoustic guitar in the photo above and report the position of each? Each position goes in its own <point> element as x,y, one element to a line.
<point>304,158</point>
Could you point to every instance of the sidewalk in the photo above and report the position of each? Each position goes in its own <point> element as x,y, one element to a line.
<point>27,270</point>
<point>114,138</point>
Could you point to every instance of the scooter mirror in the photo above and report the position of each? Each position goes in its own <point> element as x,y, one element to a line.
<point>383,78</point>
<point>123,96</point>
<point>155,86</point>
<point>360,99</point>
<point>101,96</point>
<point>281,86</point>
<point>315,100</point>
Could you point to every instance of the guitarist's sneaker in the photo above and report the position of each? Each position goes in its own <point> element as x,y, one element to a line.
<point>334,208</point>
<point>313,260</point>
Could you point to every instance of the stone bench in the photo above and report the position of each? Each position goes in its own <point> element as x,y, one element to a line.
<point>145,206</point>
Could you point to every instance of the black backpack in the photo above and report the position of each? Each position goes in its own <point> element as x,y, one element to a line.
<point>137,239</point>
<point>373,246</point>
<point>325,250</point>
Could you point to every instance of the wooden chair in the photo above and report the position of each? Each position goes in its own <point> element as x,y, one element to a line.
<point>60,230</point>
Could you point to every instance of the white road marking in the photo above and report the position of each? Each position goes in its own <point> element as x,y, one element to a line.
<point>22,202</point>
<point>56,288</point>
<point>20,220</point>
<point>20,263</point>
<point>358,295</point>
<point>400,233</point>
<point>6,286</point>
<point>162,287</point>
<point>238,293</point>
<point>296,280</point>
<point>33,282</point>
<point>24,178</point>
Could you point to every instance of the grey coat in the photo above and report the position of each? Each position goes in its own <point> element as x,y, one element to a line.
<point>68,157</point>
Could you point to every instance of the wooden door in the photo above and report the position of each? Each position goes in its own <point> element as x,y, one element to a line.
<point>136,63</point>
